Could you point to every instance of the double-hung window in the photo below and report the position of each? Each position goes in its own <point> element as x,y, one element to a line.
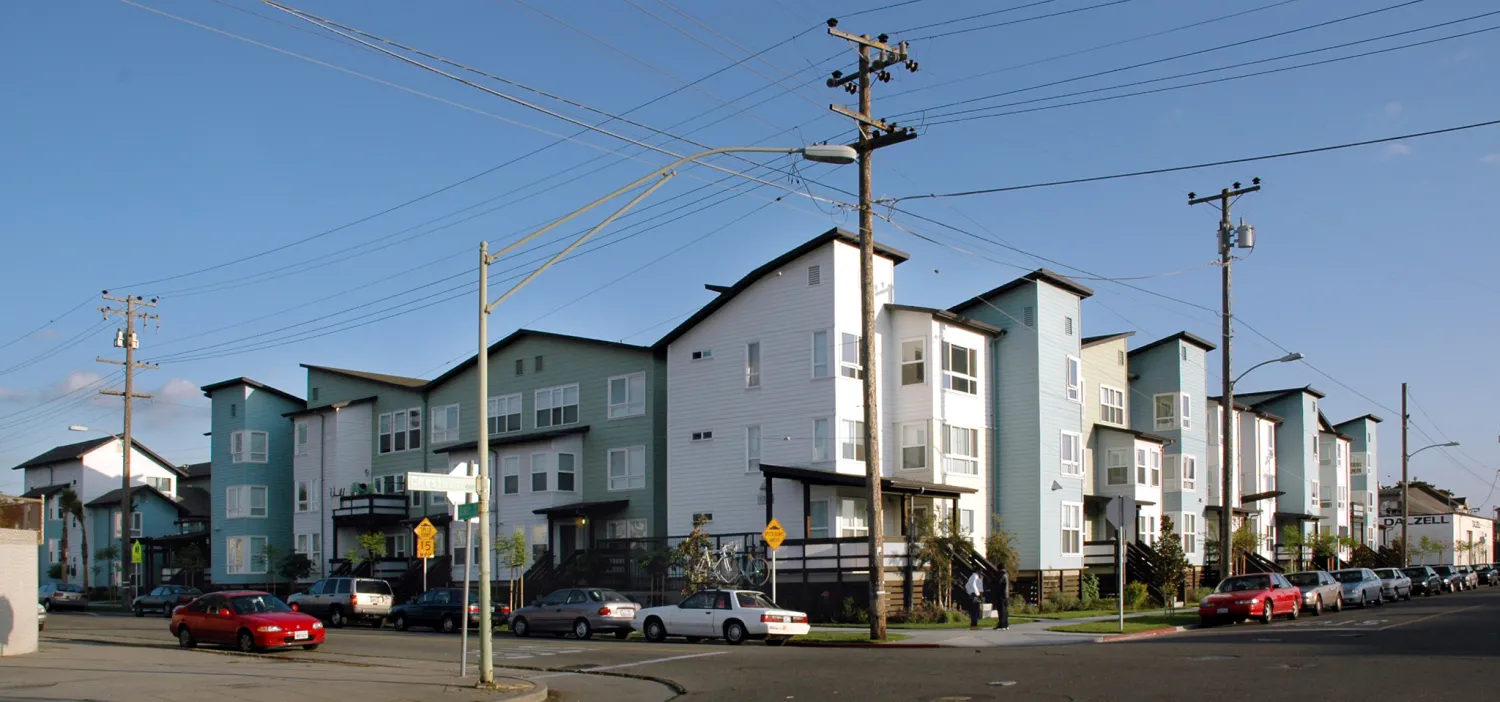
<point>567,472</point>
<point>1141,465</point>
<point>959,368</point>
<point>1166,411</point>
<point>627,395</point>
<point>311,546</point>
<point>245,501</point>
<point>852,448</point>
<point>752,364</point>
<point>510,474</point>
<point>557,406</point>
<point>822,440</point>
<point>627,468</point>
<point>820,361</point>
<point>913,362</point>
<point>503,413</point>
<point>300,432</point>
<point>1154,457</point>
<point>961,451</point>
<point>162,484</point>
<point>245,555</point>
<point>1071,454</point>
<point>400,430</point>
<point>914,446</point>
<point>818,520</point>
<point>307,496</point>
<point>1117,466</point>
<point>849,356</point>
<point>1073,379</point>
<point>445,423</point>
<point>248,447</point>
<point>1189,530</point>
<point>538,472</point>
<point>853,517</point>
<point>752,449</point>
<point>1186,415</point>
<point>1072,529</point>
<point>1111,405</point>
<point>1189,472</point>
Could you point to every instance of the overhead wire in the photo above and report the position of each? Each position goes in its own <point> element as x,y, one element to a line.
<point>996,25</point>
<point>48,323</point>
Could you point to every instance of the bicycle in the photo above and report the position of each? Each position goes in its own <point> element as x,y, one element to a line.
<point>727,566</point>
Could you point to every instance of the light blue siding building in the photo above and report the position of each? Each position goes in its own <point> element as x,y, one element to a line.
<point>1169,399</point>
<point>1364,476</point>
<point>1297,465</point>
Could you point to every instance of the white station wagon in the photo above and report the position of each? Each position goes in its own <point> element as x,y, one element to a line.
<point>732,615</point>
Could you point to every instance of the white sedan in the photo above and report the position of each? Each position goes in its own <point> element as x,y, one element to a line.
<point>733,615</point>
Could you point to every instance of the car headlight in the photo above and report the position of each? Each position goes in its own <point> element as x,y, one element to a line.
<point>317,625</point>
<point>1244,602</point>
<point>268,629</point>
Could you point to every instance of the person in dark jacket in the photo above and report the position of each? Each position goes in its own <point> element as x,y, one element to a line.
<point>1002,600</point>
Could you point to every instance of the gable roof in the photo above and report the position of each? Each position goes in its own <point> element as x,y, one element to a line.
<point>951,318</point>
<point>113,497</point>
<point>1040,275</point>
<point>197,470</point>
<point>341,404</point>
<point>399,381</point>
<point>1186,336</point>
<point>208,389</point>
<point>1088,341</point>
<point>45,491</point>
<point>836,234</point>
<point>1370,417</point>
<point>1242,407</point>
<point>519,334</point>
<point>1265,396</point>
<point>75,451</point>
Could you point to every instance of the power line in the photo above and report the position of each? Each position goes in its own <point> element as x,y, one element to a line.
<point>49,322</point>
<point>967,30</point>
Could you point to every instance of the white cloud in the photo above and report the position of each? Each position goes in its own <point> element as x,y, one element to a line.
<point>1395,149</point>
<point>13,395</point>
<point>180,390</point>
<point>1393,109</point>
<point>75,380</point>
<point>1492,159</point>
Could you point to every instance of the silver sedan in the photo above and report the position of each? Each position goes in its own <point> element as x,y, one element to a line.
<point>1361,586</point>
<point>1394,584</point>
<point>581,611</point>
<point>1319,591</point>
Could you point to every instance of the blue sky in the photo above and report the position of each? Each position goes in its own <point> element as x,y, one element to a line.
<point>143,148</point>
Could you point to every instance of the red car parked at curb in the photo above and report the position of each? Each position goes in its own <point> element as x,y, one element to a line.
<point>1262,596</point>
<point>247,620</point>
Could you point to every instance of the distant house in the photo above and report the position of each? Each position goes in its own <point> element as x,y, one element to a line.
<point>1460,534</point>
<point>1363,433</point>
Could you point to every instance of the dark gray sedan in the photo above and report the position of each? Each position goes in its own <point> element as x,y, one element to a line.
<point>1319,591</point>
<point>1394,585</point>
<point>581,611</point>
<point>1361,586</point>
<point>1424,581</point>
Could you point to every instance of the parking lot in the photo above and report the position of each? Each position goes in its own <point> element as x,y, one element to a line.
<point>1400,649</point>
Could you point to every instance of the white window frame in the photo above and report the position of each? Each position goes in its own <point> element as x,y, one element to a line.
<point>299,432</point>
<point>752,448</point>
<point>239,502</point>
<point>137,524</point>
<point>545,472</point>
<point>1189,472</point>
<point>625,529</point>
<point>853,517</point>
<point>242,446</point>
<point>161,484</point>
<point>1189,527</point>
<point>242,555</point>
<point>752,364</point>
<point>957,380</point>
<point>1185,413</point>
<point>1111,405</point>
<point>1117,458</point>
<point>1071,521</point>
<point>634,477</point>
<point>499,410</point>
<point>703,435</point>
<point>851,440</point>
<point>557,400</point>
<point>310,487</point>
<point>960,463</point>
<point>820,343</point>
<point>1070,453</point>
<point>1169,421</point>
<point>1073,379</point>
<point>446,423</point>
<point>631,405</point>
<point>510,467</point>
<point>54,551</point>
<point>822,448</point>
<point>403,426</point>
<point>54,508</point>
<point>702,355</point>
<point>1153,456</point>
<point>847,368</point>
<point>919,442</point>
<point>572,472</point>
<point>918,360</point>
<point>1142,466</point>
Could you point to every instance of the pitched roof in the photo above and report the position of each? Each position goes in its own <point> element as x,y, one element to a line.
<point>1265,396</point>
<point>1187,336</point>
<point>1242,407</point>
<point>1040,275</point>
<point>951,318</point>
<point>836,234</point>
<point>399,381</point>
<point>113,497</point>
<point>208,389</point>
<point>196,501</point>
<point>519,334</point>
<point>1142,435</point>
<point>45,491</point>
<point>1088,341</point>
<point>74,451</point>
<point>1374,418</point>
<point>332,405</point>
<point>198,470</point>
<point>513,439</point>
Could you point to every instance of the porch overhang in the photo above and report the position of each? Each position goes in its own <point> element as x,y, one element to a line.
<point>583,509</point>
<point>892,485</point>
<point>1257,497</point>
<point>1219,508</point>
<point>513,439</point>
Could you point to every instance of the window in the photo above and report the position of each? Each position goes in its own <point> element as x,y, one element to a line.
<point>1170,468</point>
<point>557,406</point>
<point>300,431</point>
<point>1073,377</point>
<point>245,501</point>
<point>135,524</point>
<point>312,395</point>
<point>852,448</point>
<point>503,414</point>
<point>1141,466</point>
<point>538,364</point>
<point>1166,411</point>
<point>567,472</point>
<point>445,423</point>
<point>966,521</point>
<point>814,275</point>
<point>55,507</point>
<point>1120,358</point>
<point>1068,326</point>
<point>822,440</point>
<point>914,446</point>
<point>245,555</point>
<point>1028,316</point>
<point>625,529</point>
<point>959,371</point>
<point>1189,530</point>
<point>818,520</point>
<point>510,471</point>
<point>703,435</point>
<point>400,430</point>
<point>234,410</point>
<point>627,468</point>
<point>961,451</point>
<point>913,362</point>
<point>161,484</point>
<point>703,355</point>
<point>1315,449</point>
<point>520,366</point>
<point>752,364</point>
<point>395,545</point>
<point>311,545</point>
<point>1183,349</point>
<point>1072,529</point>
<point>1189,472</point>
<point>820,354</point>
<point>849,354</point>
<point>1111,405</point>
<point>1117,466</point>
<point>538,472</point>
<point>248,447</point>
<point>752,448</point>
<point>307,496</point>
<point>1154,457</point>
<point>461,548</point>
<point>627,395</point>
<point>54,553</point>
<point>1187,410</point>
<point>853,519</point>
<point>1071,456</point>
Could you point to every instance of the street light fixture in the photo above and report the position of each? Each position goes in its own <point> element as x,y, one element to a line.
<point>837,154</point>
<point>1406,493</point>
<point>1226,445</point>
<point>1293,356</point>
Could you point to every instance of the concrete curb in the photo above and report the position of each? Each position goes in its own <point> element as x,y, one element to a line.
<point>858,644</point>
<point>1116,638</point>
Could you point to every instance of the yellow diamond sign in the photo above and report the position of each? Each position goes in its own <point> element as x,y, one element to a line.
<point>425,530</point>
<point>774,534</point>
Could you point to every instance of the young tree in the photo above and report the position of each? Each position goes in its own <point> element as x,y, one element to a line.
<point>513,554</point>
<point>999,550</point>
<point>1243,543</point>
<point>1296,542</point>
<point>368,547</point>
<point>271,555</point>
<point>1169,562</point>
<point>294,567</point>
<point>1428,547</point>
<point>694,552</point>
<point>937,551</point>
<point>190,559</point>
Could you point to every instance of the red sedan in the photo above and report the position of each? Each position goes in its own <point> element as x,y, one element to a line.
<point>1263,596</point>
<point>250,621</point>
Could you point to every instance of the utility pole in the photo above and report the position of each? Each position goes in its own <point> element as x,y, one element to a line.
<point>873,134</point>
<point>1405,459</point>
<point>481,461</point>
<point>1227,429</point>
<point>126,338</point>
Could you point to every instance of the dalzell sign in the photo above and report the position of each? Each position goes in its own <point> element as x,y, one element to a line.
<point>1420,520</point>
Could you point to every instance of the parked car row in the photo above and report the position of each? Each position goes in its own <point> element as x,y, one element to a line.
<point>1265,596</point>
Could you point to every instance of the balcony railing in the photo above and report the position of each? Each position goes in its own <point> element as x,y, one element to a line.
<point>393,505</point>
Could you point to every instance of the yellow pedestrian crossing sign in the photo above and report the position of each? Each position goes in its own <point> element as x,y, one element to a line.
<point>425,530</point>
<point>136,553</point>
<point>774,534</point>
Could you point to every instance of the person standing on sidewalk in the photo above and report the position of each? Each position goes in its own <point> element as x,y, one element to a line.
<point>1002,600</point>
<point>975,588</point>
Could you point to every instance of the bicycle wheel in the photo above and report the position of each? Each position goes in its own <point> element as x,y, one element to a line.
<point>754,571</point>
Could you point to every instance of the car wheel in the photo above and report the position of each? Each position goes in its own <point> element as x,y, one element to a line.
<point>622,634</point>
<point>310,647</point>
<point>336,618</point>
<point>1363,603</point>
<point>166,611</point>
<point>246,642</point>
<point>448,625</point>
<point>1380,601</point>
<point>1267,613</point>
<point>656,632</point>
<point>399,622</point>
<point>185,638</point>
<point>520,627</point>
<point>47,605</point>
<point>1318,607</point>
<point>582,630</point>
<point>734,632</point>
<point>138,611</point>
<point>1296,610</point>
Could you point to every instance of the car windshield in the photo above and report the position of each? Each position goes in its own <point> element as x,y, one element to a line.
<point>1388,573</point>
<point>1348,576</point>
<point>754,600</point>
<point>1249,582</point>
<point>1415,572</point>
<point>1303,579</point>
<point>372,587</point>
<point>600,595</point>
<point>257,604</point>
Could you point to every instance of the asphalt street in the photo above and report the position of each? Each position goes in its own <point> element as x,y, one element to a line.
<point>1439,648</point>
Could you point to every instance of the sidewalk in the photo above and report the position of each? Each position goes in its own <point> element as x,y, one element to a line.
<point>76,670</point>
<point>1029,634</point>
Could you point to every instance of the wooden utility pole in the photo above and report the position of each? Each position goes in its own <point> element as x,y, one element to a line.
<point>873,134</point>
<point>1405,481</point>
<point>1227,429</point>
<point>127,339</point>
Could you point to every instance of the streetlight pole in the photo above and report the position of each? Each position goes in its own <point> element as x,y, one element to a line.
<point>1405,483</point>
<point>821,153</point>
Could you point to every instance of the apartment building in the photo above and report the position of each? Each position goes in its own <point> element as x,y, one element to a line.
<point>1169,400</point>
<point>1298,450</point>
<point>1364,476</point>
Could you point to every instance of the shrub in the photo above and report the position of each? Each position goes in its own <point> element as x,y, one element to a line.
<point>1200,593</point>
<point>928,613</point>
<point>1090,598</point>
<point>1019,605</point>
<point>852,613</point>
<point>1136,595</point>
<point>1063,602</point>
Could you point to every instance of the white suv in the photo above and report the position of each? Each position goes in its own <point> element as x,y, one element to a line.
<point>341,600</point>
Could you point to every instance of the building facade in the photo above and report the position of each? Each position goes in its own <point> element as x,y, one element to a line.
<point>1170,400</point>
<point>1364,476</point>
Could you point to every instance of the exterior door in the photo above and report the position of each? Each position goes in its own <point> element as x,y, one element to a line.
<point>216,628</point>
<point>696,615</point>
<point>312,604</point>
<point>567,537</point>
<point>547,613</point>
<point>723,612</point>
